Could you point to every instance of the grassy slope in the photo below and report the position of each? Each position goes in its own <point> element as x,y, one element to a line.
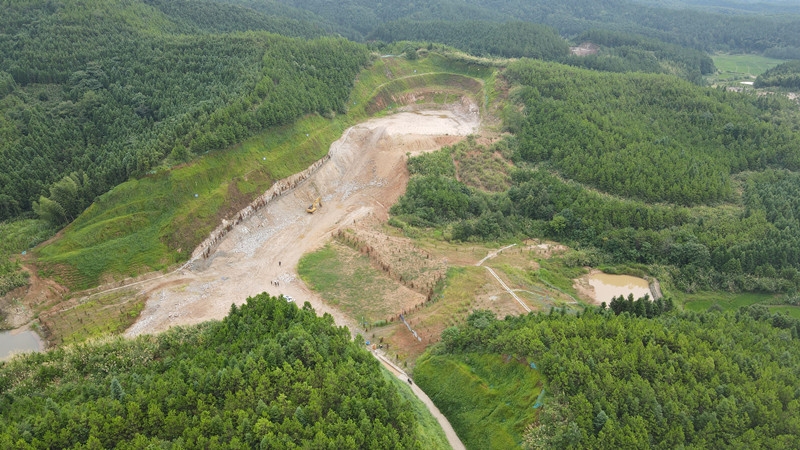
<point>18,236</point>
<point>431,435</point>
<point>347,280</point>
<point>482,389</point>
<point>154,222</point>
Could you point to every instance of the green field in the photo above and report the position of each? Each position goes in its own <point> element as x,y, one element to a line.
<point>102,315</point>
<point>739,67</point>
<point>430,433</point>
<point>727,301</point>
<point>347,280</point>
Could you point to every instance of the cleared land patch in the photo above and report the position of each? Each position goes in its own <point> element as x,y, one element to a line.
<point>741,67</point>
<point>346,279</point>
<point>78,320</point>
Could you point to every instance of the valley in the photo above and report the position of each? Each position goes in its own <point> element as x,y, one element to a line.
<point>482,224</point>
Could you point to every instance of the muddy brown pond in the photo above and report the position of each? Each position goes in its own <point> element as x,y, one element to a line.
<point>607,286</point>
<point>12,342</point>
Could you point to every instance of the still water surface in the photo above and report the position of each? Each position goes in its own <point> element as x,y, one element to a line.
<point>19,341</point>
<point>607,286</point>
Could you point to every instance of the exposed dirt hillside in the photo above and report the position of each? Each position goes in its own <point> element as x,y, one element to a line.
<point>365,175</point>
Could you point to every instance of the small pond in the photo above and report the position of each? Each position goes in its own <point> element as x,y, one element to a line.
<point>17,341</point>
<point>607,286</point>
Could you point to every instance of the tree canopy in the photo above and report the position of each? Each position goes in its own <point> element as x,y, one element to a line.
<point>270,375</point>
<point>706,380</point>
<point>111,89</point>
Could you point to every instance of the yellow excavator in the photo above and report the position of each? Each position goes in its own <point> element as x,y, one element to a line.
<point>313,207</point>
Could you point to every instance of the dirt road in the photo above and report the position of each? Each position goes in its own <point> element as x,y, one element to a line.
<point>449,432</point>
<point>365,175</point>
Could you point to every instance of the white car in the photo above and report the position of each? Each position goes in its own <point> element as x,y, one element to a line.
<point>288,298</point>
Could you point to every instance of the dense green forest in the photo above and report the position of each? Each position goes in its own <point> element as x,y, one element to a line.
<point>510,39</point>
<point>786,75</point>
<point>91,100</point>
<point>654,138</point>
<point>270,375</point>
<point>704,29</point>
<point>706,380</point>
<point>210,16</point>
<point>619,52</point>
<point>700,180</point>
<point>625,52</point>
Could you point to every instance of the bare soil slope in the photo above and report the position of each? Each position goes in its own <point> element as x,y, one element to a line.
<point>365,175</point>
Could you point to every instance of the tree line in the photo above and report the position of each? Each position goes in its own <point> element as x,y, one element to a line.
<point>786,75</point>
<point>480,38</point>
<point>693,27</point>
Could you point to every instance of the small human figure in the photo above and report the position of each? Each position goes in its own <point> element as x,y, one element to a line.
<point>279,263</point>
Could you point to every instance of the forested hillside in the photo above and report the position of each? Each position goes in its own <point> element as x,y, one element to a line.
<point>618,381</point>
<point>674,158</point>
<point>510,40</point>
<point>691,27</point>
<point>652,138</point>
<point>210,16</point>
<point>92,99</point>
<point>94,93</point>
<point>624,52</point>
<point>270,375</point>
<point>786,75</point>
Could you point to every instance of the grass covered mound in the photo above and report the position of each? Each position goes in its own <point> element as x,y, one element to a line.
<point>712,380</point>
<point>270,375</point>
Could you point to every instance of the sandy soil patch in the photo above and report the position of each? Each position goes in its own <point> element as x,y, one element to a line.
<point>544,249</point>
<point>584,289</point>
<point>365,175</point>
<point>585,49</point>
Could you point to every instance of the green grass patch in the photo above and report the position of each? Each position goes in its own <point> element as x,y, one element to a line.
<point>481,167</point>
<point>728,301</point>
<point>430,434</point>
<point>22,235</point>
<point>18,236</point>
<point>347,280</point>
<point>457,295</point>
<point>735,67</point>
<point>789,310</point>
<point>554,273</point>
<point>488,400</point>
